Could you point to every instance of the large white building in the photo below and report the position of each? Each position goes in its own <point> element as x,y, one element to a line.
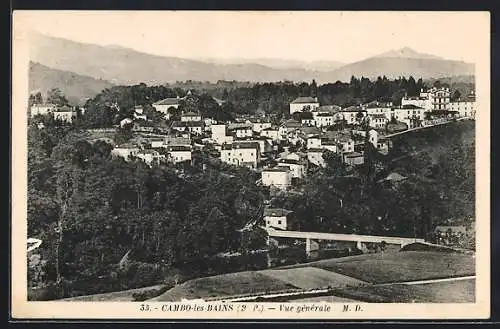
<point>279,177</point>
<point>64,113</point>
<point>431,100</point>
<point>163,105</point>
<point>465,109</point>
<point>240,130</point>
<point>304,104</point>
<point>241,154</point>
<point>177,154</point>
<point>42,109</point>
<point>190,117</point>
<point>352,113</point>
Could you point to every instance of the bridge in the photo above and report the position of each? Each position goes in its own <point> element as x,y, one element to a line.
<point>359,239</point>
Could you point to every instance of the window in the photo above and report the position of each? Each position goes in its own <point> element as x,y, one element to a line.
<point>279,222</point>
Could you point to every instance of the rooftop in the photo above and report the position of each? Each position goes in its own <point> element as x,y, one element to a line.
<point>168,101</point>
<point>276,212</point>
<point>411,106</point>
<point>305,100</point>
<point>277,169</point>
<point>179,148</point>
<point>241,145</point>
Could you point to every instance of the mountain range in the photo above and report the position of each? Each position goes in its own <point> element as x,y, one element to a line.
<point>105,65</point>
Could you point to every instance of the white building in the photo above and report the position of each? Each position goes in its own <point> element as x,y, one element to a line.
<point>304,104</point>
<point>277,218</point>
<point>351,114</point>
<point>125,151</point>
<point>314,142</point>
<point>177,154</point>
<point>377,121</point>
<point>241,154</point>
<point>258,126</point>
<point>297,169</point>
<point>42,109</point>
<point>191,117</point>
<point>264,144</point>
<point>315,156</point>
<point>240,130</point>
<point>377,108</point>
<point>324,120</point>
<point>150,157</point>
<point>279,177</point>
<point>64,113</point>
<point>164,104</point>
<point>465,109</point>
<point>271,133</point>
<point>432,99</point>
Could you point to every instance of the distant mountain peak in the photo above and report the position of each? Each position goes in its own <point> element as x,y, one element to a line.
<point>407,52</point>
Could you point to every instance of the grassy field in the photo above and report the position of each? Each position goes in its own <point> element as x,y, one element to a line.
<point>462,291</point>
<point>400,266</point>
<point>118,296</point>
<point>311,278</point>
<point>232,284</point>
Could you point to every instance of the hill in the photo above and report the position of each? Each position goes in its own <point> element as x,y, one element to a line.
<point>122,65</point>
<point>403,62</point>
<point>77,88</point>
<point>126,66</point>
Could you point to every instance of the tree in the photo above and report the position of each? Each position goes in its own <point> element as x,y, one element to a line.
<point>56,97</point>
<point>411,87</point>
<point>456,96</point>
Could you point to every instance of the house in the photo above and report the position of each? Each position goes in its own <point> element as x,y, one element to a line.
<point>315,156</point>
<point>219,134</point>
<point>139,113</point>
<point>314,142</point>
<point>126,151</point>
<point>297,167</point>
<point>377,121</point>
<point>271,133</point>
<point>278,218</point>
<point>259,125</point>
<point>383,145</point>
<point>240,130</point>
<point>194,127</point>
<point>125,122</point>
<point>164,104</point>
<point>304,104</point>
<point>329,144</point>
<point>325,119</point>
<point>353,114</point>
<point>288,127</point>
<point>432,99</point>
<point>265,145</point>
<point>346,144</point>
<point>241,154</point>
<point>465,109</point>
<point>150,157</point>
<point>177,141</point>
<point>278,177</point>
<point>412,115</point>
<point>305,118</point>
<point>190,117</point>
<point>156,142</point>
<point>377,108</point>
<point>353,158</point>
<point>64,113</point>
<point>179,153</point>
<point>42,109</point>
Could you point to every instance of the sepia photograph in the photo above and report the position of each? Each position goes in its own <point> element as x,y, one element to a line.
<point>234,162</point>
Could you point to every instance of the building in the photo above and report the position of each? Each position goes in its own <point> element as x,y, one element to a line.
<point>412,115</point>
<point>465,109</point>
<point>156,142</point>
<point>125,122</point>
<point>126,151</point>
<point>353,114</point>
<point>278,218</point>
<point>353,158</point>
<point>431,100</point>
<point>258,125</point>
<point>191,117</point>
<point>287,127</point>
<point>150,157</point>
<point>240,130</point>
<point>377,121</point>
<point>324,120</point>
<point>278,177</point>
<point>42,109</point>
<point>195,127</point>
<point>179,153</point>
<point>297,168</point>
<point>264,144</point>
<point>315,156</point>
<point>346,144</point>
<point>304,104</point>
<point>177,141</point>
<point>377,108</point>
<point>219,134</point>
<point>64,113</point>
<point>271,133</point>
<point>164,104</point>
<point>241,154</point>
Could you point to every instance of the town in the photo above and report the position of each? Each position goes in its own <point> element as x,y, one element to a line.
<point>284,156</point>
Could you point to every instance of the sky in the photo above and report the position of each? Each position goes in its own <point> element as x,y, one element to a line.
<point>307,36</point>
